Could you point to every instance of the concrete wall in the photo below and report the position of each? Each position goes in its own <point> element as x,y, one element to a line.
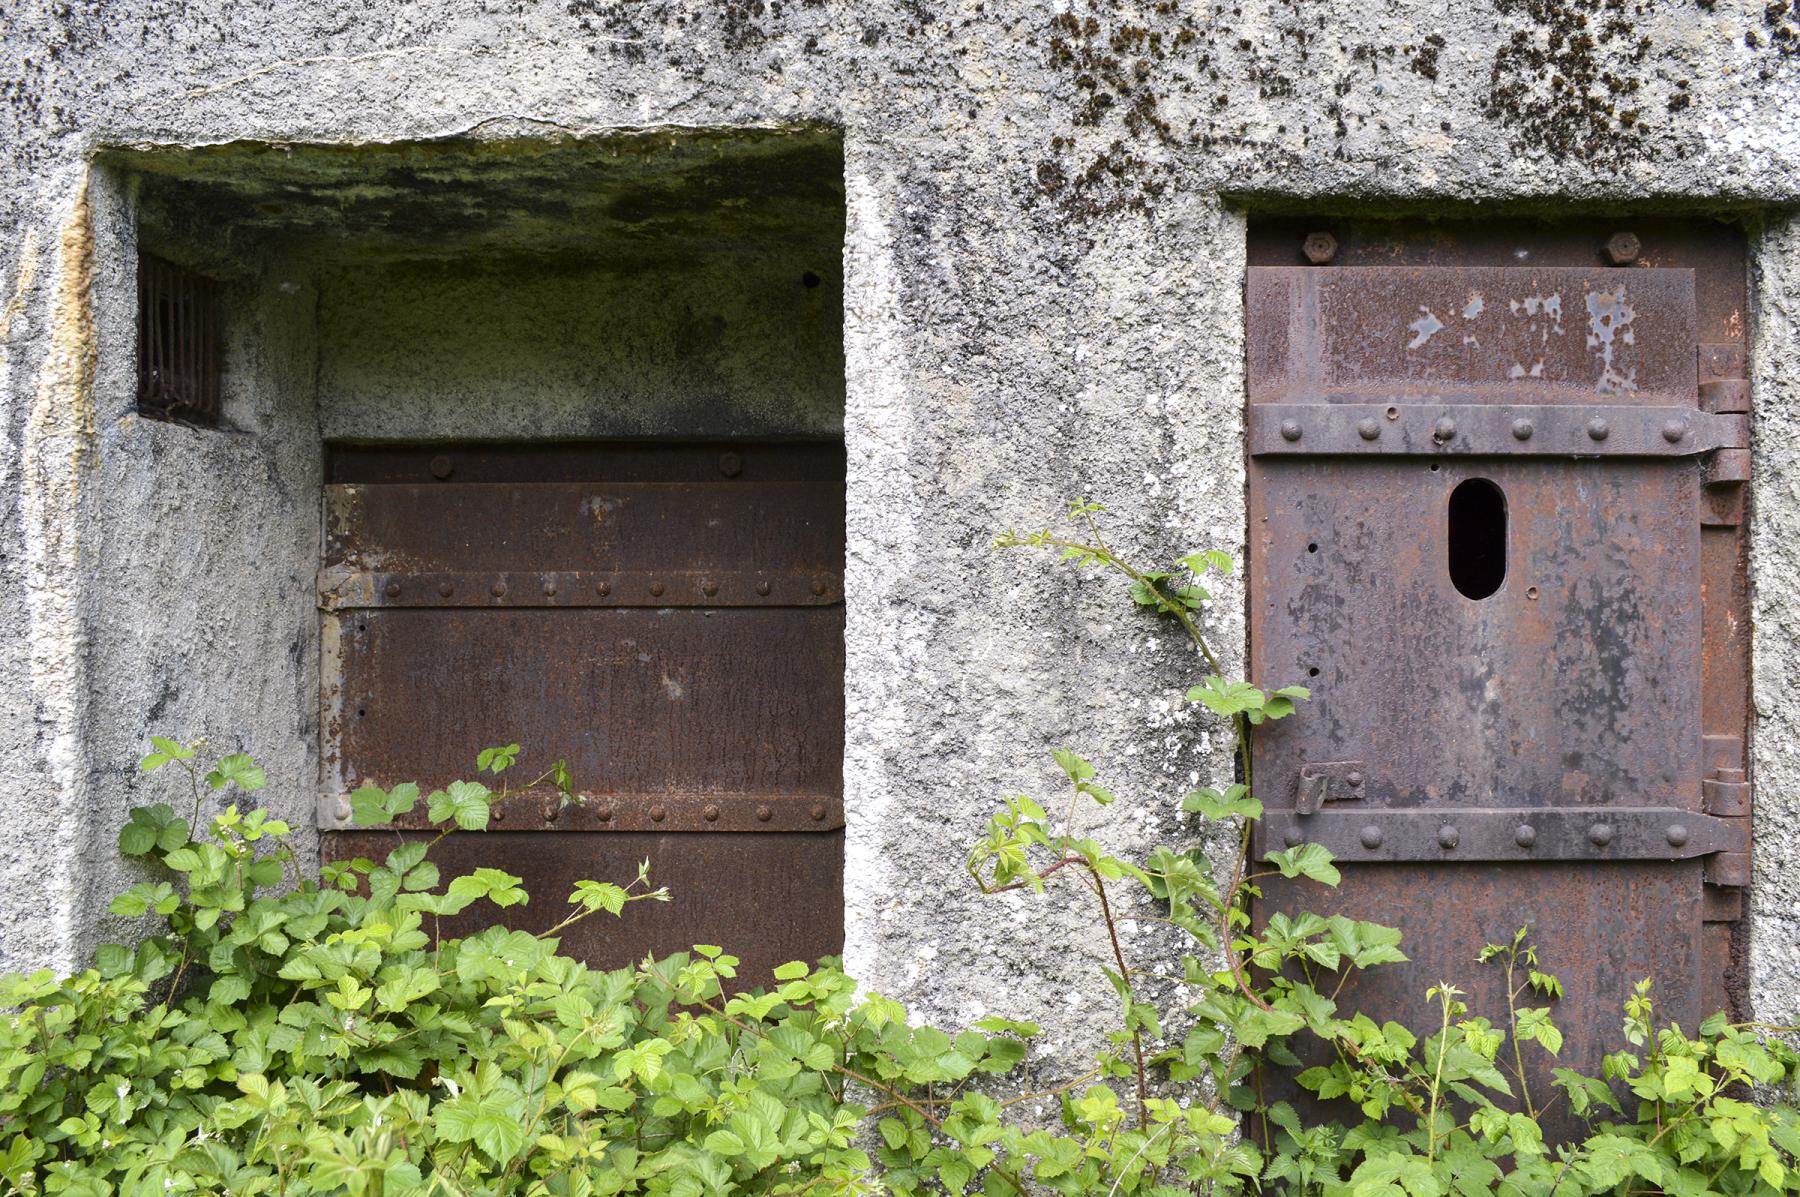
<point>1042,257</point>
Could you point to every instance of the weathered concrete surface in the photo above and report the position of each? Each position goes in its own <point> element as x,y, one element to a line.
<point>1041,275</point>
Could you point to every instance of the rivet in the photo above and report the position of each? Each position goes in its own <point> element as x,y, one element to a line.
<point>709,588</point>
<point>658,814</point>
<point>499,589</point>
<point>730,465</point>
<point>817,812</point>
<point>1448,837</point>
<point>764,814</point>
<point>656,588</point>
<point>818,586</point>
<point>1292,837</point>
<point>1600,834</point>
<point>549,589</point>
<point>1598,428</point>
<point>602,588</point>
<point>1354,777</point>
<point>1525,836</point>
<point>1531,592</point>
<point>1290,430</point>
<point>499,814</point>
<point>711,812</point>
<point>1522,429</point>
<point>1676,834</point>
<point>1368,428</point>
<point>552,811</point>
<point>1370,836</point>
<point>393,589</point>
<point>1443,430</point>
<point>445,590</point>
<point>441,467</point>
<point>762,588</point>
<point>1622,248</point>
<point>604,814</point>
<point>1673,431</point>
<point>342,813</point>
<point>1319,248</point>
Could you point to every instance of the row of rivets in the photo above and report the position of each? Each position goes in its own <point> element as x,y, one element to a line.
<point>1600,835</point>
<point>657,588</point>
<point>1444,430</point>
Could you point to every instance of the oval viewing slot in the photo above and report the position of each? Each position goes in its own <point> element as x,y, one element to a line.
<point>1477,538</point>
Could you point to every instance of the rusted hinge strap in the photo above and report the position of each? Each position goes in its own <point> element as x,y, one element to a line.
<point>1726,794</point>
<point>341,589</point>
<point>1526,833</point>
<point>541,810</point>
<point>1496,429</point>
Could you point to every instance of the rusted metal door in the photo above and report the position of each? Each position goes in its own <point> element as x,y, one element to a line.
<point>1496,496</point>
<point>667,618</point>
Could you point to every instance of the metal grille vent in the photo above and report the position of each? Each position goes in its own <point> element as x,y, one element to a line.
<point>178,369</point>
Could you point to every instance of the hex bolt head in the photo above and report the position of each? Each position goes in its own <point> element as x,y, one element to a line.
<point>1673,431</point>
<point>658,813</point>
<point>764,814</point>
<point>1525,836</point>
<point>602,588</point>
<point>1448,836</point>
<point>1443,430</point>
<point>1598,428</point>
<point>817,812</point>
<point>1600,834</point>
<point>730,465</point>
<point>1319,248</point>
<point>441,467</point>
<point>1676,834</point>
<point>762,588</point>
<point>1370,837</point>
<point>711,813</point>
<point>1522,429</point>
<point>1368,428</point>
<point>1622,248</point>
<point>1290,430</point>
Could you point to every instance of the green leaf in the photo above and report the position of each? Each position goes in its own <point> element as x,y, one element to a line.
<point>1307,860</point>
<point>467,802</point>
<point>496,885</point>
<point>599,895</point>
<point>1233,803</point>
<point>238,770</point>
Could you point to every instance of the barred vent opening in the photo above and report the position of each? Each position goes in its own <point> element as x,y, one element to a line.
<point>178,344</point>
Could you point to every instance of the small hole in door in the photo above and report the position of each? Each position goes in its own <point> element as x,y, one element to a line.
<point>1477,538</point>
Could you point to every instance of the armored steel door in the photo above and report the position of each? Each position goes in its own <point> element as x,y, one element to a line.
<point>667,618</point>
<point>1496,488</point>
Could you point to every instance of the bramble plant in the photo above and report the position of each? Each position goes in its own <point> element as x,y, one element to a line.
<point>280,1034</point>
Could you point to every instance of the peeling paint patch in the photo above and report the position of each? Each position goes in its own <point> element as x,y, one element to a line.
<point>1609,324</point>
<point>1424,328</point>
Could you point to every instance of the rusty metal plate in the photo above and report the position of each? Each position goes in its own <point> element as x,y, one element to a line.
<point>1575,684</point>
<point>766,898</point>
<point>399,529</point>
<point>735,701</point>
<point>1599,927</point>
<point>604,461</point>
<point>1488,430</point>
<point>1510,335</point>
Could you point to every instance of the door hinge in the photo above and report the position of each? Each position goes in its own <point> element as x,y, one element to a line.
<point>1328,781</point>
<point>1725,794</point>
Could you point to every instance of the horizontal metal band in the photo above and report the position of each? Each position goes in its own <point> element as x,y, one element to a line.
<point>1598,833</point>
<point>345,589</point>
<point>542,810</point>
<point>1499,429</point>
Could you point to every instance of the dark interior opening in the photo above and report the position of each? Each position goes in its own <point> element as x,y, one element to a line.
<point>1477,538</point>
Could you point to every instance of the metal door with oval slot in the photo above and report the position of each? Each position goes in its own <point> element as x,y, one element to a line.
<point>668,618</point>
<point>1496,496</point>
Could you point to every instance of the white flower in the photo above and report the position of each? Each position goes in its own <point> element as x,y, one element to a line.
<point>122,1090</point>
